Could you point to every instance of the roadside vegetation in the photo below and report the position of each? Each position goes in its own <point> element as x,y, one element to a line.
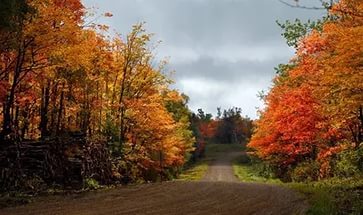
<point>195,171</point>
<point>249,171</point>
<point>329,196</point>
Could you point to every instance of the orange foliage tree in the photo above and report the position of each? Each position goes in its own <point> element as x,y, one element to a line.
<point>61,77</point>
<point>314,109</point>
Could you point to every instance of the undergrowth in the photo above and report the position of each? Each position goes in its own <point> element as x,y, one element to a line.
<point>334,196</point>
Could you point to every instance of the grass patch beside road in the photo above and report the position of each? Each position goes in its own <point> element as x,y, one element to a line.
<point>194,172</point>
<point>326,197</point>
<point>249,173</point>
<point>333,196</point>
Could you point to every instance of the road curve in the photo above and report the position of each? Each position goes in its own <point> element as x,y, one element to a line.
<point>218,193</point>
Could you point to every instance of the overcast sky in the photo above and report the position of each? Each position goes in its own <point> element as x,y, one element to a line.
<point>223,51</point>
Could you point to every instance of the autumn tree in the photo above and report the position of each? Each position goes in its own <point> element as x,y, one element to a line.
<point>40,34</point>
<point>62,78</point>
<point>313,111</point>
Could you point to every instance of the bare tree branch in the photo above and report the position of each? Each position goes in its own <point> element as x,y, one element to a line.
<point>303,7</point>
<point>326,6</point>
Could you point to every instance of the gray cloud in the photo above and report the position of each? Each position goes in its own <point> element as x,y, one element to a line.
<point>222,71</point>
<point>223,51</point>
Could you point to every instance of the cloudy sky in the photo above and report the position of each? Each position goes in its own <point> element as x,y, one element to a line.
<point>223,51</point>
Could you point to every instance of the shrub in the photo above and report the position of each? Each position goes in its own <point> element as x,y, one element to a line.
<point>349,162</point>
<point>91,184</point>
<point>261,168</point>
<point>305,171</point>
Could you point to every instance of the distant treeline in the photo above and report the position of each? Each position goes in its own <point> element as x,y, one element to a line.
<point>228,127</point>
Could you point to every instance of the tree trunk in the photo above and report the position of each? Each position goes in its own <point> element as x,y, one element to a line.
<point>60,111</point>
<point>44,111</point>
<point>121,103</point>
<point>7,123</point>
<point>54,108</point>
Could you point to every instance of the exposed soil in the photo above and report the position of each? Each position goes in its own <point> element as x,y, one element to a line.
<point>218,193</point>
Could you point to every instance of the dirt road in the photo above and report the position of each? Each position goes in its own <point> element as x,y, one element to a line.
<point>221,169</point>
<point>218,193</point>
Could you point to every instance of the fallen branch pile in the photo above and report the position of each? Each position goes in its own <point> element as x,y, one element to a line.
<point>33,165</point>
